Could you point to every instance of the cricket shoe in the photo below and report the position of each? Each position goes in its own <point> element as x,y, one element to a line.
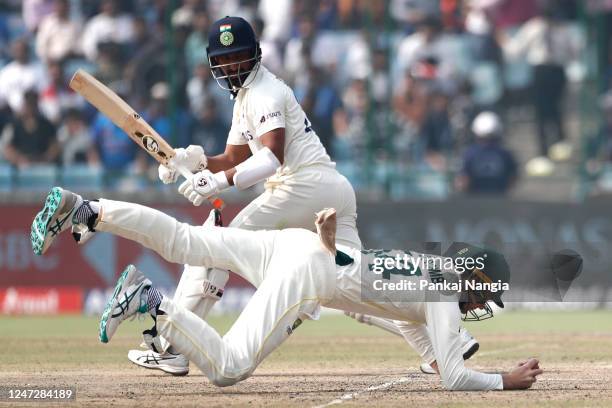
<point>175,364</point>
<point>128,299</point>
<point>469,348</point>
<point>55,217</point>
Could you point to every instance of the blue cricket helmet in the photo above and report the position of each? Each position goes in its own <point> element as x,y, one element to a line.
<point>231,35</point>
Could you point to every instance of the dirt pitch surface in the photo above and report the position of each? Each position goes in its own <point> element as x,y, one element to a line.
<point>334,362</point>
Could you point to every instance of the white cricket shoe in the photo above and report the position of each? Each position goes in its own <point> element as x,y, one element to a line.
<point>469,348</point>
<point>127,300</point>
<point>54,218</point>
<point>175,364</point>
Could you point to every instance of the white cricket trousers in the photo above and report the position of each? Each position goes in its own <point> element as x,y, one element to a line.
<point>289,202</point>
<point>293,272</point>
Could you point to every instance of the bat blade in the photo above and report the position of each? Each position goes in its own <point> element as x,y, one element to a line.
<point>122,115</point>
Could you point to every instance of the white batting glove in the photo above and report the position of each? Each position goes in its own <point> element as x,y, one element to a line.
<point>203,185</point>
<point>167,175</point>
<point>192,158</point>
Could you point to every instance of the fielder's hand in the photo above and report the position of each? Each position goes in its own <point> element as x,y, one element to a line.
<point>523,376</point>
<point>192,158</point>
<point>203,185</point>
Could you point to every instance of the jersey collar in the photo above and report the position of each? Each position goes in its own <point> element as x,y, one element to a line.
<point>255,76</point>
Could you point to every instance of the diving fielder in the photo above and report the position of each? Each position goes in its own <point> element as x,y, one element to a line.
<point>270,139</point>
<point>295,272</point>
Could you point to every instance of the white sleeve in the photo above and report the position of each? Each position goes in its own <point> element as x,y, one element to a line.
<point>269,114</point>
<point>443,320</point>
<point>234,137</point>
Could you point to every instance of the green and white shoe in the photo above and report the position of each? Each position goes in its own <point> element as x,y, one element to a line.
<point>128,299</point>
<point>54,218</point>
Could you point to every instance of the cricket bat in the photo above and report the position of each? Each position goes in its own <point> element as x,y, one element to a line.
<point>122,115</point>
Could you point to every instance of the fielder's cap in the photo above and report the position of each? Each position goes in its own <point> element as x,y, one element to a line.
<point>495,266</point>
<point>487,124</point>
<point>229,35</point>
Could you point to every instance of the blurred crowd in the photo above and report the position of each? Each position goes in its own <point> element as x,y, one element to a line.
<point>394,88</point>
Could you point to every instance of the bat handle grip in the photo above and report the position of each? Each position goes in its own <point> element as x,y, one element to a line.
<point>216,202</point>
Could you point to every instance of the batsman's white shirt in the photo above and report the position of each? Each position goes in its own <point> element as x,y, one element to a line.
<point>307,181</point>
<point>294,275</point>
<point>267,103</point>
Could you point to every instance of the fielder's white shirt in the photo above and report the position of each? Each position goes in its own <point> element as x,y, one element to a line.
<point>356,292</point>
<point>267,103</point>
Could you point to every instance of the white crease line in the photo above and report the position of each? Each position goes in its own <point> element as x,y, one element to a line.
<point>353,395</point>
<point>401,380</point>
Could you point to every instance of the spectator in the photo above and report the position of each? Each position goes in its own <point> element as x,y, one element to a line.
<point>270,54</point>
<point>275,14</point>
<point>350,123</point>
<point>58,36</point>
<point>58,97</point>
<point>380,82</point>
<point>298,49</point>
<point>76,141</point>
<point>34,11</point>
<point>116,150</point>
<point>195,48</point>
<point>19,76</point>
<point>488,168</point>
<point>201,88</point>
<point>30,138</point>
<point>548,46</point>
<point>176,128</point>
<point>411,108</point>
<point>320,101</point>
<point>209,131</point>
<point>430,42</point>
<point>106,27</point>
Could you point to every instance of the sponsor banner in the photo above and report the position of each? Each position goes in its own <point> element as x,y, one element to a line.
<point>585,228</point>
<point>41,300</point>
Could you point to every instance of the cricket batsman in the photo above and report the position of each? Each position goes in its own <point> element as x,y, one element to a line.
<point>270,140</point>
<point>295,271</point>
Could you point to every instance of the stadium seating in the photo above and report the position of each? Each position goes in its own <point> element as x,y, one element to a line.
<point>37,177</point>
<point>82,177</point>
<point>6,177</point>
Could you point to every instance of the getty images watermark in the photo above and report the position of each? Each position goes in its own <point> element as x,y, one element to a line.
<point>437,269</point>
<point>433,271</point>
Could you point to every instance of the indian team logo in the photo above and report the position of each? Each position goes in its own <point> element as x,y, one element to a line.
<point>226,38</point>
<point>150,144</point>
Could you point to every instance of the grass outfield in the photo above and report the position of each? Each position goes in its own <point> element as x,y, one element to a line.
<point>333,360</point>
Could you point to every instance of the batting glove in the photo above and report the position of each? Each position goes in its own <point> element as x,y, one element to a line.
<point>167,175</point>
<point>203,185</point>
<point>192,158</point>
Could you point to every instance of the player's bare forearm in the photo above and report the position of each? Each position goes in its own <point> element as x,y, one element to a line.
<point>233,155</point>
<point>275,141</point>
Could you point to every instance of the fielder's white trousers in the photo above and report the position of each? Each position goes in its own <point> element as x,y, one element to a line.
<point>287,202</point>
<point>293,272</point>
